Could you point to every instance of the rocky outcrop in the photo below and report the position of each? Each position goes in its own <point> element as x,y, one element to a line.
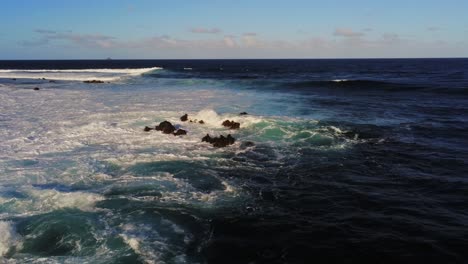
<point>243,113</point>
<point>93,81</point>
<point>201,122</point>
<point>180,132</point>
<point>166,127</point>
<point>36,88</point>
<point>231,124</point>
<point>184,118</point>
<point>220,141</point>
<point>146,129</point>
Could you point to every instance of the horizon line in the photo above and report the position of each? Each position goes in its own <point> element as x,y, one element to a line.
<point>331,58</point>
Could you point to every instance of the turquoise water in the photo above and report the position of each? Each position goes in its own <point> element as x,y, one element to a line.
<point>321,169</point>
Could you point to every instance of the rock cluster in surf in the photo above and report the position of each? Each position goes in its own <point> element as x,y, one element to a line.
<point>184,118</point>
<point>93,81</point>
<point>167,128</point>
<point>222,141</point>
<point>231,124</point>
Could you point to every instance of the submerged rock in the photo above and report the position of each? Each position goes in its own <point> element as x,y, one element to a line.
<point>231,124</point>
<point>36,88</point>
<point>180,132</point>
<point>247,144</point>
<point>243,113</point>
<point>220,141</point>
<point>201,122</point>
<point>184,118</point>
<point>166,127</point>
<point>146,129</point>
<point>93,81</point>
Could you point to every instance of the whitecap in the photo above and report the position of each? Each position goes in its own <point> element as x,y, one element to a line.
<point>75,75</point>
<point>8,238</point>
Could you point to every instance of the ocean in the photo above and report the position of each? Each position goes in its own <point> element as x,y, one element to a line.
<point>337,161</point>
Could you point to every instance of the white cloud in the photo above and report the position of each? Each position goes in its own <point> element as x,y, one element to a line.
<point>88,40</point>
<point>347,32</point>
<point>230,41</point>
<point>249,44</point>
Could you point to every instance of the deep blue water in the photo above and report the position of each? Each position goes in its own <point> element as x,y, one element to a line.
<point>354,161</point>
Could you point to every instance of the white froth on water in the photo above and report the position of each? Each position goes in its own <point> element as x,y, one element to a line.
<point>75,75</point>
<point>34,201</point>
<point>8,238</point>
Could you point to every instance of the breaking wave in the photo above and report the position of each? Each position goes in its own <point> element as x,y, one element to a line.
<point>75,74</point>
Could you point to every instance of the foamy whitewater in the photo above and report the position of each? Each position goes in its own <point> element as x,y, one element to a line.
<point>75,75</point>
<point>81,182</point>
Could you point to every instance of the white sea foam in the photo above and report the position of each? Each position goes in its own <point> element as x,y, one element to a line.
<point>75,75</point>
<point>8,238</point>
<point>43,201</point>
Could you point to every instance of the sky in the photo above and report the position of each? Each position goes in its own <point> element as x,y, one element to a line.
<point>202,29</point>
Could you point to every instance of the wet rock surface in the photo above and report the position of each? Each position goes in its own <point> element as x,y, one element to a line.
<point>220,141</point>
<point>93,81</point>
<point>180,132</point>
<point>166,127</point>
<point>231,124</point>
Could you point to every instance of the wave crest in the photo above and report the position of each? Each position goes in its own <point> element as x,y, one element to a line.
<point>75,74</point>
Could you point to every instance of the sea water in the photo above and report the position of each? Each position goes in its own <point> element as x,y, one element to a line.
<point>356,160</point>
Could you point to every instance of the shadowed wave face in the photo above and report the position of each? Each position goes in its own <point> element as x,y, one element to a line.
<point>354,161</point>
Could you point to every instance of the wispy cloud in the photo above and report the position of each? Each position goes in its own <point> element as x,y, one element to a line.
<point>200,30</point>
<point>89,40</point>
<point>347,32</point>
<point>44,31</point>
<point>249,44</point>
<point>230,41</point>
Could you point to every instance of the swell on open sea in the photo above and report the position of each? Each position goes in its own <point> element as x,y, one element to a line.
<point>337,161</point>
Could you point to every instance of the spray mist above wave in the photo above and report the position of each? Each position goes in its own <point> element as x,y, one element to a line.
<point>75,74</point>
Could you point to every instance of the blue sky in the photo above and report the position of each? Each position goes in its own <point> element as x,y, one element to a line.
<point>232,29</point>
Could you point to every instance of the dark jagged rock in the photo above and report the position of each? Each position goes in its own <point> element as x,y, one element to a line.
<point>93,81</point>
<point>201,122</point>
<point>231,124</point>
<point>180,132</point>
<point>220,141</point>
<point>243,113</point>
<point>235,125</point>
<point>166,127</point>
<point>43,78</point>
<point>184,118</point>
<point>51,81</point>
<point>207,138</point>
<point>230,139</point>
<point>36,88</point>
<point>146,129</point>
